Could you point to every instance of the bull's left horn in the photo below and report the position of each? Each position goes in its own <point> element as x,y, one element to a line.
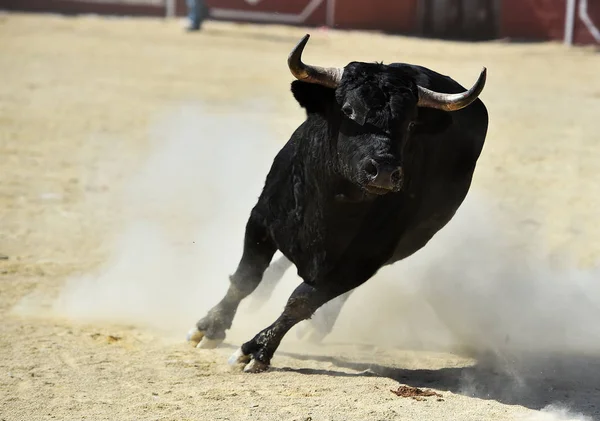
<point>451,102</point>
<point>326,76</point>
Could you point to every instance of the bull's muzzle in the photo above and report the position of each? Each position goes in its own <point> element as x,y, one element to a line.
<point>382,178</point>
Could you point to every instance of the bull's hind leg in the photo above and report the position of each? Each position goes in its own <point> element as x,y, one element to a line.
<point>270,279</point>
<point>321,323</point>
<point>256,354</point>
<point>259,249</point>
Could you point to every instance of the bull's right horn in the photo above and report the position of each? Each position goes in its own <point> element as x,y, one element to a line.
<point>326,76</point>
<point>451,102</point>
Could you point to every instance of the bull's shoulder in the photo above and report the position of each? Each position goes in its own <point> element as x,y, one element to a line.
<point>278,201</point>
<point>281,169</point>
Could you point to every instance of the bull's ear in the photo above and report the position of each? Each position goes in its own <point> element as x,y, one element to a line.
<point>432,121</point>
<point>313,97</point>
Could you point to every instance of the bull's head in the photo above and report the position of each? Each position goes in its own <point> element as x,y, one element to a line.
<point>375,110</point>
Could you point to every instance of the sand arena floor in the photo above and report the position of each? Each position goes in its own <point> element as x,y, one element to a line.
<point>79,102</point>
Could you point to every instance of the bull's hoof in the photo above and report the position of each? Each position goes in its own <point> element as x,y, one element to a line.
<point>249,364</point>
<point>207,343</point>
<point>255,366</point>
<point>239,358</point>
<point>200,340</point>
<point>194,335</point>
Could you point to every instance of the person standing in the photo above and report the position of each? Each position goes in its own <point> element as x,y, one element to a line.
<point>197,13</point>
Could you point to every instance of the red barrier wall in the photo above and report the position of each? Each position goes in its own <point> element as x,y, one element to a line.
<point>582,35</point>
<point>535,20</point>
<point>83,7</point>
<point>385,15</point>
<point>295,12</point>
<point>544,20</point>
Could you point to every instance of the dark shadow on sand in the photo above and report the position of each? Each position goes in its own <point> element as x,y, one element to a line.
<point>533,381</point>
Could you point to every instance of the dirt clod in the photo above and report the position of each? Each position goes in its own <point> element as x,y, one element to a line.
<point>111,339</point>
<point>415,393</point>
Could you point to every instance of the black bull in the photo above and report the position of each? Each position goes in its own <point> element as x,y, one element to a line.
<point>382,162</point>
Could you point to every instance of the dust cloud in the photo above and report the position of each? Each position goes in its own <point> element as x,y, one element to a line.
<point>484,285</point>
<point>557,413</point>
<point>485,282</point>
<point>184,213</point>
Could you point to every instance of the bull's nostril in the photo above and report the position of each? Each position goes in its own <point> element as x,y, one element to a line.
<point>371,169</point>
<point>396,176</point>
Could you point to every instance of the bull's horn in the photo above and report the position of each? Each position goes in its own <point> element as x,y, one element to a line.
<point>451,102</point>
<point>326,76</point>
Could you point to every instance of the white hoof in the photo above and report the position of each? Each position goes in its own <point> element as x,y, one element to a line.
<point>207,343</point>
<point>194,335</point>
<point>238,357</point>
<point>255,366</point>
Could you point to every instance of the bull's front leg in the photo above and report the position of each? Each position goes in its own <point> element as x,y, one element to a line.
<point>259,249</point>
<point>256,354</point>
<point>320,324</point>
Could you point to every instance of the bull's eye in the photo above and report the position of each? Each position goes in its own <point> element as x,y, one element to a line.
<point>347,109</point>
